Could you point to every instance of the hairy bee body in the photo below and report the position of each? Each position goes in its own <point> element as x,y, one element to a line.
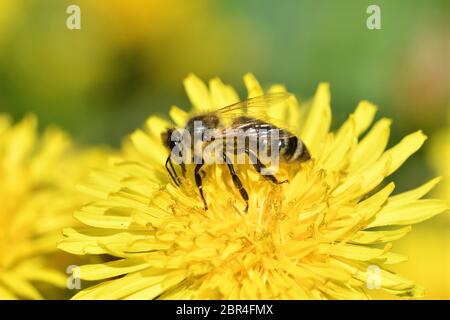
<point>242,134</point>
<point>290,147</point>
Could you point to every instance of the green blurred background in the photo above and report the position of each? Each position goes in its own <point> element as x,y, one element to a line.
<point>129,59</point>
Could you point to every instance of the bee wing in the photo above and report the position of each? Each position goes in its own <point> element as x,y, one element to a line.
<point>253,128</point>
<point>254,113</point>
<point>256,104</point>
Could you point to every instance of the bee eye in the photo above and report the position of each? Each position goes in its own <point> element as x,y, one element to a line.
<point>171,138</point>
<point>173,144</point>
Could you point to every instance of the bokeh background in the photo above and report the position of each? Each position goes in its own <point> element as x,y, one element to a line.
<point>129,59</point>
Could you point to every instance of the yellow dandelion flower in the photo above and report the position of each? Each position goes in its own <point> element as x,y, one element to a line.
<point>439,158</point>
<point>326,234</point>
<point>37,177</point>
<point>429,246</point>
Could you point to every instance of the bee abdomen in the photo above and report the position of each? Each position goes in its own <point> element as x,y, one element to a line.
<point>296,150</point>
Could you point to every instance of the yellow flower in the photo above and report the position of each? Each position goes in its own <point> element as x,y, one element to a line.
<point>439,158</point>
<point>325,234</point>
<point>37,198</point>
<point>429,246</point>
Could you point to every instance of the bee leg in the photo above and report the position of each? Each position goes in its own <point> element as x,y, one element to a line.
<point>198,182</point>
<point>183,169</point>
<point>259,166</point>
<point>174,174</point>
<point>237,182</point>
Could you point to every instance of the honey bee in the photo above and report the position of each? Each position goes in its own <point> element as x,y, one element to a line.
<point>224,127</point>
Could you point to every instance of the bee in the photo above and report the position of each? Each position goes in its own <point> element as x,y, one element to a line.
<point>224,127</point>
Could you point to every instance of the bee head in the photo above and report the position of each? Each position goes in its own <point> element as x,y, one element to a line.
<point>168,140</point>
